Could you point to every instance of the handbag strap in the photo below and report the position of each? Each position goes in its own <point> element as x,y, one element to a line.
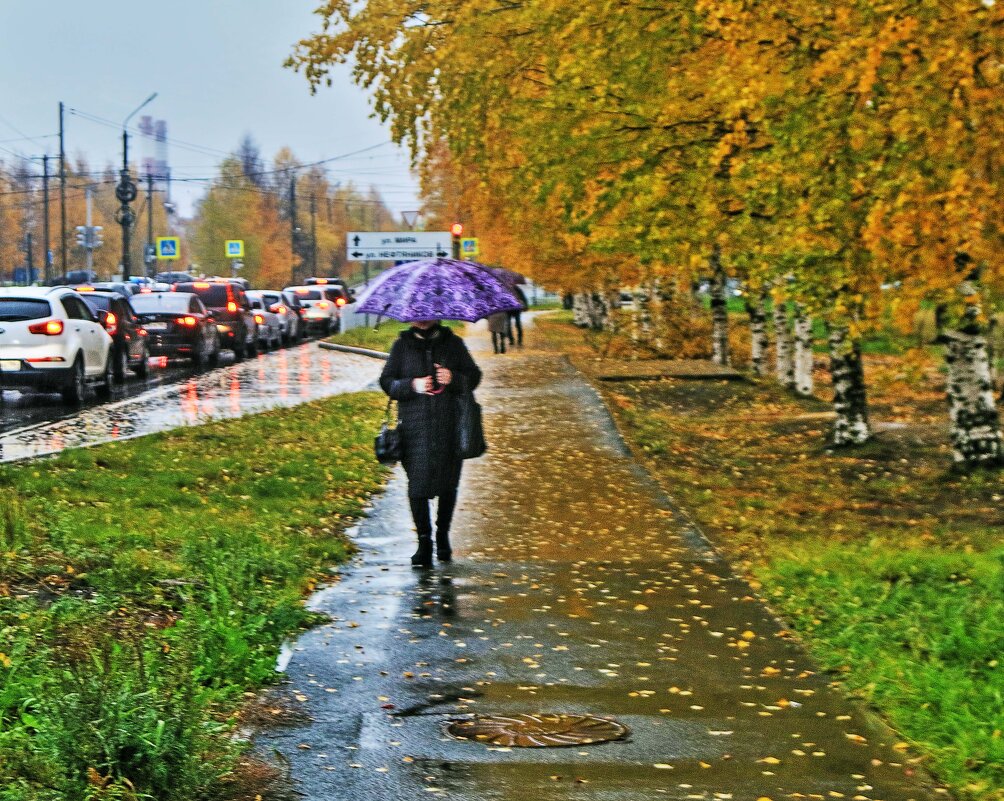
<point>386,413</point>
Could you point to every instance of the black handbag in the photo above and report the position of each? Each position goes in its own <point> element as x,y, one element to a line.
<point>387,444</point>
<point>470,432</point>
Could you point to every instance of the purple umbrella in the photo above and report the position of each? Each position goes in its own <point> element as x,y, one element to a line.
<point>437,289</point>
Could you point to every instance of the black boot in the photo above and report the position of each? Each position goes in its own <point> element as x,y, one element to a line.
<point>444,553</point>
<point>423,525</point>
<point>444,517</point>
<point>423,556</point>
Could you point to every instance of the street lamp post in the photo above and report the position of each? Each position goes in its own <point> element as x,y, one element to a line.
<point>126,192</point>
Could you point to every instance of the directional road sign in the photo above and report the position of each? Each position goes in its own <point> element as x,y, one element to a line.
<point>397,245</point>
<point>469,247</point>
<point>235,248</point>
<point>168,247</point>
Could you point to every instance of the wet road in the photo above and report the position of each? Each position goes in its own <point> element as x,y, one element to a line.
<point>578,588</point>
<point>281,378</point>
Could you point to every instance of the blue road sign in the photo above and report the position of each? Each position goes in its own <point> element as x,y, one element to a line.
<point>168,247</point>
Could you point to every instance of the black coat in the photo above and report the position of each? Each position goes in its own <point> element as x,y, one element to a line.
<point>429,422</point>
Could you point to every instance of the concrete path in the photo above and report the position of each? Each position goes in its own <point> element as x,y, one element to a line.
<point>578,588</point>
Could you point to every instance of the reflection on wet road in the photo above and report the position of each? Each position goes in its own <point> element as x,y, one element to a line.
<point>283,378</point>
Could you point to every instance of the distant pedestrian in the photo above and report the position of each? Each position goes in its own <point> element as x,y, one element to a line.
<point>498,324</point>
<point>428,366</point>
<point>514,318</point>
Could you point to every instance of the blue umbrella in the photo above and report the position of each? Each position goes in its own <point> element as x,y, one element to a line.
<point>437,289</point>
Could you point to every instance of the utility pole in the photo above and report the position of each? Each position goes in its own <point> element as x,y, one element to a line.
<point>47,258</point>
<point>62,193</point>
<point>126,192</point>
<point>89,237</point>
<point>148,251</point>
<point>30,260</point>
<point>292,223</point>
<point>313,235</point>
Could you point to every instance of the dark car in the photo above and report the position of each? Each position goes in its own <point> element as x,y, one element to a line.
<point>174,278</point>
<point>130,349</point>
<point>230,308</point>
<point>178,324</point>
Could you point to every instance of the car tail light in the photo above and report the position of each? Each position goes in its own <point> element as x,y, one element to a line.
<point>111,323</point>
<point>84,288</point>
<point>323,304</point>
<point>259,319</point>
<point>191,322</point>
<point>321,281</point>
<point>231,307</point>
<point>146,291</point>
<point>340,302</point>
<point>50,328</point>
<point>42,359</point>
<point>201,284</point>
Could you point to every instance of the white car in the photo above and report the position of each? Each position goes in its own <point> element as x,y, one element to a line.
<point>322,307</point>
<point>270,328</point>
<point>289,320</point>
<point>51,339</point>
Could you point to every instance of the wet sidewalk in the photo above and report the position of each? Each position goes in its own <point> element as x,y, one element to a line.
<point>577,589</point>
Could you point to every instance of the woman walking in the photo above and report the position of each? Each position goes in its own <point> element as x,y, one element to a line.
<point>428,366</point>
<point>498,325</point>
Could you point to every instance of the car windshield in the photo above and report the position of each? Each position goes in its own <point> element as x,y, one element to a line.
<point>173,302</point>
<point>13,310</point>
<point>308,294</point>
<point>99,301</point>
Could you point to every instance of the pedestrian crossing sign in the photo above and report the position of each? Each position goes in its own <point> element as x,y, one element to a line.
<point>469,247</point>
<point>168,247</point>
<point>235,248</point>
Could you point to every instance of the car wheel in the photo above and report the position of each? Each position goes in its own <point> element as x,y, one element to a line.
<point>199,353</point>
<point>108,379</point>
<point>142,368</point>
<point>76,386</point>
<point>120,364</point>
<point>252,349</point>
<point>214,354</point>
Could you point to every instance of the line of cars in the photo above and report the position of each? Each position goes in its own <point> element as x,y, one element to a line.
<point>65,338</point>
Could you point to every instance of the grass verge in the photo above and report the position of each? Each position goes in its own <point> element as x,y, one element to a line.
<point>146,585</point>
<point>889,566</point>
<point>381,337</point>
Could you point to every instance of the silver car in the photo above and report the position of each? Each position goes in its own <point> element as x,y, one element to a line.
<point>269,325</point>
<point>289,320</point>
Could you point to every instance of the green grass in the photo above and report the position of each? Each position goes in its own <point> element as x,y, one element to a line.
<point>382,337</point>
<point>145,585</point>
<point>888,565</point>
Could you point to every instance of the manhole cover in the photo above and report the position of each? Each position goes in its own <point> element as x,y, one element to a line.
<point>537,731</point>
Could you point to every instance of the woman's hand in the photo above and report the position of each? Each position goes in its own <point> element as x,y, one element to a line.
<point>443,375</point>
<point>423,386</point>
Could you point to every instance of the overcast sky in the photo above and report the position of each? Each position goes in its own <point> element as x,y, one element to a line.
<point>217,68</point>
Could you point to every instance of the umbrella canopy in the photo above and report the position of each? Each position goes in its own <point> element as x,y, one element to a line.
<point>509,277</point>
<point>437,289</point>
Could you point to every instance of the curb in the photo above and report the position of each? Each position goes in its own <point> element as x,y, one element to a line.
<point>373,354</point>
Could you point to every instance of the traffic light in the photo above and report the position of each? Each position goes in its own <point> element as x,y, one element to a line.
<point>456,231</point>
<point>82,235</point>
<point>97,237</point>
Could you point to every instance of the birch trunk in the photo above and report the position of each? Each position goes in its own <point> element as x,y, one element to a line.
<point>803,362</point>
<point>719,314</point>
<point>975,427</point>
<point>849,397</point>
<point>598,312</point>
<point>758,335</point>
<point>784,367</point>
<point>580,309</point>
